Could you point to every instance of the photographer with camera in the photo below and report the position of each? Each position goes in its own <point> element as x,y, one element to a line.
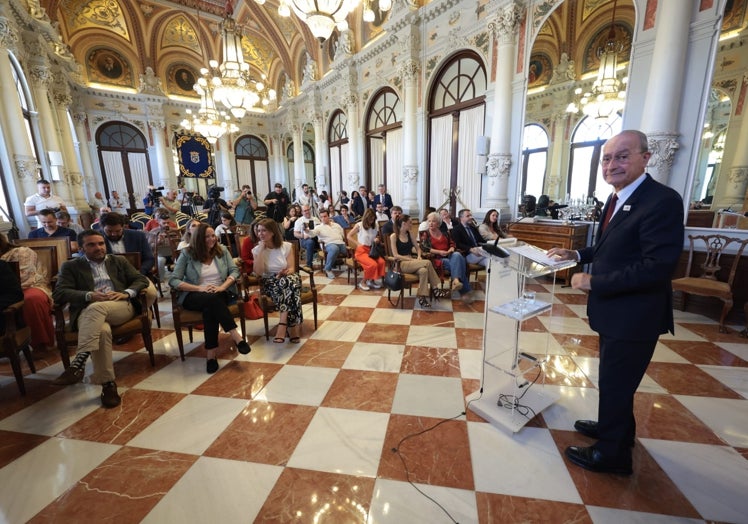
<point>308,197</point>
<point>215,205</point>
<point>152,199</point>
<point>244,206</point>
<point>277,202</point>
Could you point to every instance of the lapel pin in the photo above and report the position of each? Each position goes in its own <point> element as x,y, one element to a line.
<point>627,208</point>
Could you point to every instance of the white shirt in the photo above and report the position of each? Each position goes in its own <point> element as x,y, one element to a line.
<point>39,202</point>
<point>116,205</point>
<point>330,233</point>
<point>273,259</point>
<point>300,223</point>
<point>366,236</point>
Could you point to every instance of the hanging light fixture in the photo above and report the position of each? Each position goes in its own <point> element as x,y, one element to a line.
<point>608,94</point>
<point>209,121</point>
<point>323,16</point>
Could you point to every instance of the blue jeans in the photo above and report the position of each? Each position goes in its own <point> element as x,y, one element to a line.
<point>311,245</point>
<point>457,268</point>
<point>332,250</point>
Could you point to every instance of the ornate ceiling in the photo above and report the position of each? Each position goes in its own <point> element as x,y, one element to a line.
<point>116,41</point>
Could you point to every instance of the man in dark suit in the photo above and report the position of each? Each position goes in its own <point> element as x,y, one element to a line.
<point>629,300</point>
<point>102,291</point>
<point>467,239</point>
<point>389,227</point>
<point>384,198</point>
<point>121,240</point>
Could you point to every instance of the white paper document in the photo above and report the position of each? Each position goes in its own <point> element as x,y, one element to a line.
<point>537,255</point>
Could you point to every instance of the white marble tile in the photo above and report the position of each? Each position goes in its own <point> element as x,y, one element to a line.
<point>681,333</point>
<point>523,464</point>
<point>727,417</point>
<point>662,353</point>
<point>54,371</point>
<point>601,515</point>
<point>573,404</point>
<point>734,378</point>
<point>40,476</point>
<point>396,502</point>
<point>191,425</point>
<point>195,499</point>
<point>336,289</point>
<point>739,349</point>
<point>469,320</point>
<point>340,331</point>
<point>399,317</point>
<point>323,312</point>
<point>304,385</point>
<point>567,325</point>
<point>540,344</point>
<point>51,415</point>
<point>375,357</point>
<point>430,336</point>
<point>714,479</point>
<point>649,385</point>
<point>590,366</point>
<point>179,377</point>
<point>268,352</point>
<point>578,309</point>
<point>444,304</point>
<point>471,363</point>
<point>342,441</point>
<point>370,299</point>
<point>426,396</point>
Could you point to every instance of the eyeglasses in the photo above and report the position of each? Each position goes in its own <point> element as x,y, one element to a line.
<point>620,158</point>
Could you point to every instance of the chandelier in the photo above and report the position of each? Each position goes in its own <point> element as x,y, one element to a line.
<point>209,121</point>
<point>608,94</point>
<point>323,16</point>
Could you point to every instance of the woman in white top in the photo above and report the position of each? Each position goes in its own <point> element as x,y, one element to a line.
<point>365,233</point>
<point>490,229</point>
<point>275,263</point>
<point>205,276</point>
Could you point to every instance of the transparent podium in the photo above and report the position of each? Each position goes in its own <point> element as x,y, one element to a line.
<point>512,383</point>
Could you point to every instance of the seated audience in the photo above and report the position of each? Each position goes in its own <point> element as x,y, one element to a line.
<point>343,219</point>
<point>64,220</point>
<point>365,233</point>
<point>444,254</point>
<point>402,247</point>
<point>155,222</point>
<point>205,277</point>
<point>333,236</point>
<point>50,229</point>
<point>467,239</point>
<point>163,241</point>
<point>275,263</point>
<point>490,229</point>
<point>185,241</point>
<point>37,297</point>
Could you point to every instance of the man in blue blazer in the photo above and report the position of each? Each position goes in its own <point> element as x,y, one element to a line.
<point>385,199</point>
<point>629,300</point>
<point>121,240</point>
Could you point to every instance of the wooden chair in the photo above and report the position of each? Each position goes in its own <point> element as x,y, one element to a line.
<point>308,291</point>
<point>709,279</point>
<point>351,263</point>
<point>185,318</point>
<point>133,257</point>
<point>141,323</point>
<point>409,279</point>
<point>16,338</point>
<point>52,252</point>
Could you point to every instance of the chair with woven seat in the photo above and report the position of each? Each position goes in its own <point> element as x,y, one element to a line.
<point>710,279</point>
<point>308,291</point>
<point>140,323</point>
<point>409,279</point>
<point>185,318</point>
<point>15,338</point>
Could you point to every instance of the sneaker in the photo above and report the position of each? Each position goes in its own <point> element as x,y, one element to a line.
<point>375,284</point>
<point>363,287</point>
<point>330,274</point>
<point>109,396</point>
<point>456,285</point>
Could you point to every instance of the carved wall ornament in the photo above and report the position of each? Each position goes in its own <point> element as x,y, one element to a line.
<point>26,167</point>
<point>410,174</point>
<point>8,34</point>
<point>498,165</point>
<point>507,23</point>
<point>409,70</point>
<point>738,177</point>
<point>663,147</point>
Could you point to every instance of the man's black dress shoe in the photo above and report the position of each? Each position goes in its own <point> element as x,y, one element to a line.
<point>588,428</point>
<point>591,459</point>
<point>109,396</point>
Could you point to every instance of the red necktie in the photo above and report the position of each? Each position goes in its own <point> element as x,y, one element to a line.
<point>609,212</point>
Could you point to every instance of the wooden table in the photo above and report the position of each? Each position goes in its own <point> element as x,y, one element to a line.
<point>548,234</point>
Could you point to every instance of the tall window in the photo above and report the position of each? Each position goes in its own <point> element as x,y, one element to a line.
<point>123,154</point>
<point>337,140</point>
<point>585,173</point>
<point>308,152</point>
<point>534,159</point>
<point>252,166</point>
<point>456,117</point>
<point>384,143</point>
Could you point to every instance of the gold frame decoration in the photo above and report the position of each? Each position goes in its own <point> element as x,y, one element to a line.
<point>109,67</point>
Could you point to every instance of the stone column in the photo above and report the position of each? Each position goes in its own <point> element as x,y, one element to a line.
<point>350,102</point>
<point>737,183</point>
<point>223,165</point>
<point>504,29</point>
<point>662,103</point>
<point>299,173</point>
<point>321,159</point>
<point>80,121</point>
<point>165,173</point>
<point>72,175</point>
<point>409,74</point>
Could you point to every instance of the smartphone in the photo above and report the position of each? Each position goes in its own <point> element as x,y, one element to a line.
<point>311,224</point>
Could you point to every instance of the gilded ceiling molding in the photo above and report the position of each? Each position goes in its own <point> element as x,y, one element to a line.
<point>100,14</point>
<point>179,32</point>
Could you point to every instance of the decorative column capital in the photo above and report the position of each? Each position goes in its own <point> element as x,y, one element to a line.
<point>410,174</point>
<point>8,34</point>
<point>26,167</point>
<point>506,24</point>
<point>738,176</point>
<point>353,179</point>
<point>40,76</point>
<point>409,70</point>
<point>349,100</point>
<point>663,146</point>
<point>498,165</point>
<point>156,124</point>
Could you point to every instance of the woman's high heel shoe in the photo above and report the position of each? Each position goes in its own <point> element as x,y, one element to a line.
<point>294,339</point>
<point>279,339</point>
<point>424,302</point>
<point>441,293</point>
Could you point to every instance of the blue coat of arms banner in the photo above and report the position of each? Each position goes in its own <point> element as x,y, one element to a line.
<point>195,158</point>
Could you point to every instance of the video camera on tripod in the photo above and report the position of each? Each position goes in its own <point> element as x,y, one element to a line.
<point>155,194</point>
<point>214,197</point>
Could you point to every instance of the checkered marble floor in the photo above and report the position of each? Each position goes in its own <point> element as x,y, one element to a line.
<point>364,421</point>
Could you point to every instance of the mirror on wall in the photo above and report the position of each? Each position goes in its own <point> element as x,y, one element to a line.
<point>718,195</point>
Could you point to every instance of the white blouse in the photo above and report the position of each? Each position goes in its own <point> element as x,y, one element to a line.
<point>366,236</point>
<point>275,260</point>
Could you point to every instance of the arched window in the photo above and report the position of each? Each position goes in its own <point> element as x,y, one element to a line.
<point>534,159</point>
<point>585,173</point>
<point>456,117</point>
<point>123,155</point>
<point>337,140</point>
<point>308,152</point>
<point>384,143</point>
<point>252,165</point>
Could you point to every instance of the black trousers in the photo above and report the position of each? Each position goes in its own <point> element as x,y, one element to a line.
<point>215,310</point>
<point>622,367</point>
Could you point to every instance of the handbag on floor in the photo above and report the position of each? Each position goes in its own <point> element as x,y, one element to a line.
<point>393,280</point>
<point>252,309</point>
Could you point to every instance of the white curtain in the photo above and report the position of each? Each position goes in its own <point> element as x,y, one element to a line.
<point>262,180</point>
<point>376,163</point>
<point>395,165</point>
<point>441,160</point>
<point>336,177</point>
<point>244,172</point>
<point>469,182</point>
<point>114,171</point>
<point>344,167</point>
<point>139,176</point>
